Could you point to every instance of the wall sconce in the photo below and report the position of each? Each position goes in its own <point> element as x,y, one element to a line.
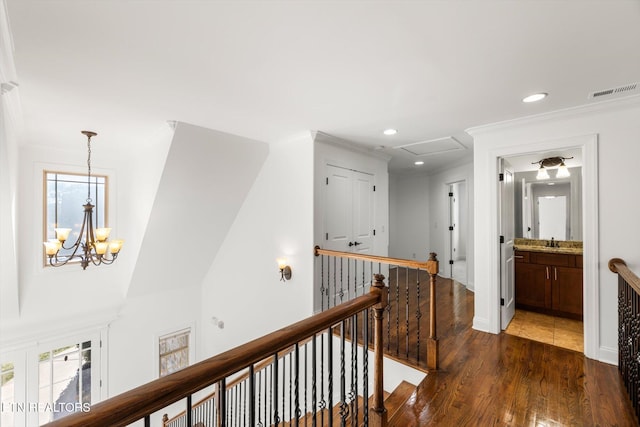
<point>285,270</point>
<point>549,162</point>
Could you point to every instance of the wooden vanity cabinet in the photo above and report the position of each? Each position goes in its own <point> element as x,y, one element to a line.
<point>549,282</point>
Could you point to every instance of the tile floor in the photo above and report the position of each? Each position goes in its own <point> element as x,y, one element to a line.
<point>561,332</point>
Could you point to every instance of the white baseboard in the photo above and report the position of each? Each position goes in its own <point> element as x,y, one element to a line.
<point>608,355</point>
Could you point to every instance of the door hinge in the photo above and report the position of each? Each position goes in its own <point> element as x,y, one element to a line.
<point>327,180</point>
<point>326,236</point>
<point>501,177</point>
<point>100,343</point>
<point>451,228</point>
<point>374,188</point>
<point>502,301</point>
<point>450,194</point>
<point>374,232</point>
<point>100,383</point>
<point>501,239</point>
<point>451,261</point>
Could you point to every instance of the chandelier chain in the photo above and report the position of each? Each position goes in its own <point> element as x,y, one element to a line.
<point>89,169</point>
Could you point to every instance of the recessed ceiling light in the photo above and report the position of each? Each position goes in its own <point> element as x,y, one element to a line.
<point>418,163</point>
<point>535,97</point>
<point>390,131</point>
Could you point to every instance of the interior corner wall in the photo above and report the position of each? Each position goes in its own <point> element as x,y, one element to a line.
<point>409,217</point>
<point>242,288</point>
<point>617,127</point>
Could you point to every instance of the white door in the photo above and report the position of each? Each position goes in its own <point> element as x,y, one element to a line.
<point>507,233</point>
<point>348,227</point>
<point>348,219</point>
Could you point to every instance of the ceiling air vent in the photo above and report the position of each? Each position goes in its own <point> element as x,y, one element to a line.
<point>614,91</point>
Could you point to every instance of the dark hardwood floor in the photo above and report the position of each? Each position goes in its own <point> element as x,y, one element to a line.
<point>504,380</point>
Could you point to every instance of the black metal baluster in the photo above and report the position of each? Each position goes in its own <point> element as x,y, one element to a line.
<point>314,392</point>
<point>330,377</point>
<point>284,383</point>
<point>341,294</point>
<point>188,411</point>
<point>322,282</point>
<point>147,421</point>
<point>406,312</point>
<point>365,369</point>
<point>290,387</point>
<point>222,390</point>
<point>418,316</point>
<point>296,384</point>
<point>343,397</point>
<point>251,396</point>
<point>260,373</point>
<point>354,370</point>
<point>335,281</point>
<point>276,418</point>
<point>322,401</point>
<point>306,347</point>
<point>397,310</point>
<point>348,279</point>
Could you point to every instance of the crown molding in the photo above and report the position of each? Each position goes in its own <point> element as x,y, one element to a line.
<point>613,104</point>
<point>319,136</point>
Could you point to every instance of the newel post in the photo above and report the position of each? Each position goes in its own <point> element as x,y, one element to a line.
<point>378,413</point>
<point>432,344</point>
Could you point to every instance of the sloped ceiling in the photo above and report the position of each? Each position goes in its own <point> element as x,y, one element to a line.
<point>206,178</point>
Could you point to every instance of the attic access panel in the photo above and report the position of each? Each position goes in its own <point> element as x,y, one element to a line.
<point>432,147</point>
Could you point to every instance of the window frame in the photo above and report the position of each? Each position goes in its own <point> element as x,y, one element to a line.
<point>45,205</point>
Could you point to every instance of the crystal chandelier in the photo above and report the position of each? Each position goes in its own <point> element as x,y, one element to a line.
<point>92,245</point>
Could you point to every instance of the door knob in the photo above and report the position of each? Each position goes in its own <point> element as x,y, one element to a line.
<point>350,244</point>
<point>357,243</point>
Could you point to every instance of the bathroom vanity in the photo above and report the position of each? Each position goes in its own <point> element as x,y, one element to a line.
<point>549,279</point>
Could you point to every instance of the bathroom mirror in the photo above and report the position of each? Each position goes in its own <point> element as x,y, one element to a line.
<point>549,208</point>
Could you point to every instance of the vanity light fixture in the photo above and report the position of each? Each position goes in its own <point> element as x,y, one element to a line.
<point>285,270</point>
<point>550,162</point>
<point>535,97</point>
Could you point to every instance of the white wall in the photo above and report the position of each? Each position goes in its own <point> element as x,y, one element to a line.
<point>243,288</point>
<point>409,217</point>
<point>617,127</point>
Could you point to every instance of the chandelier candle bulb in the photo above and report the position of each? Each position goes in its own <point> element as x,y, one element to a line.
<point>115,245</point>
<point>62,234</point>
<point>101,247</point>
<point>102,234</point>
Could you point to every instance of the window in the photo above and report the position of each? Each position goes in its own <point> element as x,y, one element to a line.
<point>65,194</point>
<point>174,352</point>
<point>64,381</point>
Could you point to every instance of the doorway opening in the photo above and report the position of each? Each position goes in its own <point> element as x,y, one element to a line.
<point>545,275</point>
<point>458,218</point>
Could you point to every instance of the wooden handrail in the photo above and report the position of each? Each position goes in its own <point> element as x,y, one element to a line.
<point>429,265</point>
<point>618,265</point>
<point>148,398</point>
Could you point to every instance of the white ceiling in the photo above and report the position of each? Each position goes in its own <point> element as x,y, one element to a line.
<point>268,70</point>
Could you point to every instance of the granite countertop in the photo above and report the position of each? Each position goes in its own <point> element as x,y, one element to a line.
<point>570,247</point>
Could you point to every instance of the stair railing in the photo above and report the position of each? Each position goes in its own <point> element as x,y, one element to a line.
<point>628,329</point>
<point>344,275</point>
<point>276,395</point>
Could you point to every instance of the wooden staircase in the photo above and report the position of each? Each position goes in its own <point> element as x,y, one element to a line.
<point>400,398</point>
